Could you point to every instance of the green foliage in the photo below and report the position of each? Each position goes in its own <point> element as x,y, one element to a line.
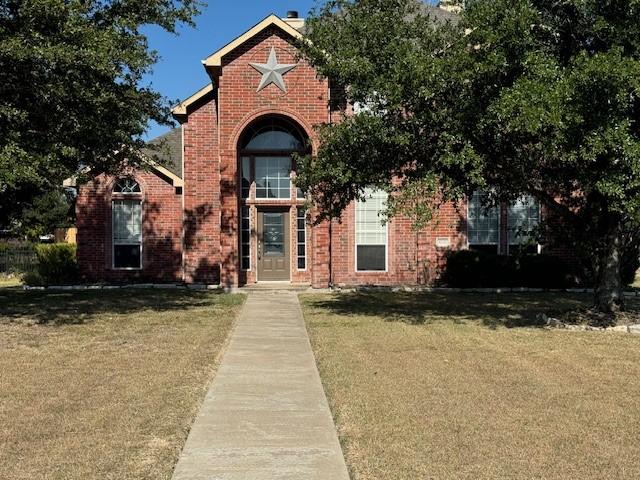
<point>466,269</point>
<point>56,265</point>
<point>72,86</point>
<point>630,266</point>
<point>46,212</point>
<point>523,96</point>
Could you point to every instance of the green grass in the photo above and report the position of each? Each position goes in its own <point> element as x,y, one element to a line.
<point>463,386</point>
<point>104,384</point>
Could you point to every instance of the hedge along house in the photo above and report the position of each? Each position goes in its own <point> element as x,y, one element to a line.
<point>224,208</point>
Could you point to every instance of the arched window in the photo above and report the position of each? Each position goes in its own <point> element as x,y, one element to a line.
<point>126,185</point>
<point>273,134</point>
<point>265,148</point>
<point>126,209</point>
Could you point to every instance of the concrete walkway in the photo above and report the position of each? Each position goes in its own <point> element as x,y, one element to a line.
<point>265,415</point>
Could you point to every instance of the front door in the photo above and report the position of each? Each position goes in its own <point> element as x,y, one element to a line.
<point>273,245</point>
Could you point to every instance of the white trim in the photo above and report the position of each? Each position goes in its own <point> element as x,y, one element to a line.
<point>181,108</point>
<point>306,240</point>
<point>215,59</point>
<point>537,245</point>
<point>497,244</point>
<point>355,244</point>
<point>113,243</point>
<point>242,255</point>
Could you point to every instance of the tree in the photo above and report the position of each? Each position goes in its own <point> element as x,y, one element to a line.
<point>534,97</point>
<point>46,212</point>
<point>72,92</point>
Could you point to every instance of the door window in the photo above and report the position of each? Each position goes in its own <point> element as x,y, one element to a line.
<point>273,234</point>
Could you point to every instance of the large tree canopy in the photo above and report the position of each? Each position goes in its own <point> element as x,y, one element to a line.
<point>72,93</point>
<point>521,97</point>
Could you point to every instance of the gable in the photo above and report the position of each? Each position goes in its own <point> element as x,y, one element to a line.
<point>215,59</point>
<point>213,63</point>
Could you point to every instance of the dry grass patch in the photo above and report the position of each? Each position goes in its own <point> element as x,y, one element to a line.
<point>104,384</point>
<point>9,281</point>
<point>428,386</point>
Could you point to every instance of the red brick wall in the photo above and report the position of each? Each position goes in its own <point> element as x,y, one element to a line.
<point>202,194</point>
<point>305,102</point>
<point>210,204</point>
<point>161,231</point>
<point>412,256</point>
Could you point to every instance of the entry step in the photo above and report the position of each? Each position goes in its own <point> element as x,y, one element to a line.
<point>275,286</point>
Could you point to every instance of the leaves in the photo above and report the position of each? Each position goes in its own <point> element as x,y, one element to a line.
<point>530,97</point>
<point>71,92</point>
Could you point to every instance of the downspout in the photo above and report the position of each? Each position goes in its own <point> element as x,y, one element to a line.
<point>330,219</point>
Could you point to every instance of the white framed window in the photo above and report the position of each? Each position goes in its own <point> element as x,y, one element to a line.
<point>371,232</point>
<point>273,177</point>
<point>483,224</point>
<point>127,233</point>
<point>301,230</point>
<point>245,238</point>
<point>127,186</point>
<point>523,218</point>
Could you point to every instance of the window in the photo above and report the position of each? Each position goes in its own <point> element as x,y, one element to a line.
<point>272,133</point>
<point>273,177</point>
<point>301,227</point>
<point>127,233</point>
<point>483,224</point>
<point>245,234</point>
<point>126,186</point>
<point>523,218</point>
<point>266,147</point>
<point>246,176</point>
<point>371,233</point>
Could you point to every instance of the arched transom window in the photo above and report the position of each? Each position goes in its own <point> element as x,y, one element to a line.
<point>126,186</point>
<point>126,208</point>
<point>265,149</point>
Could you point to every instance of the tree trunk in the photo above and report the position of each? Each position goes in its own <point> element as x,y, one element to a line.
<point>609,296</point>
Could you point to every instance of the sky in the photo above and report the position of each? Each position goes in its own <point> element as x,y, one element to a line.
<point>180,73</point>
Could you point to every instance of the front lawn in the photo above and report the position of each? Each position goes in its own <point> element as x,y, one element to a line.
<point>463,386</point>
<point>9,281</point>
<point>104,384</point>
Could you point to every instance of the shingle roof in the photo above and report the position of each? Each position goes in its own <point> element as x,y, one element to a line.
<point>169,153</point>
<point>440,14</point>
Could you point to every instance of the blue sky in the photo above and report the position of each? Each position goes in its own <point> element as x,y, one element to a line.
<point>179,72</point>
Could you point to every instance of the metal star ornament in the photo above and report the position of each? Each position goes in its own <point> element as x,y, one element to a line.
<point>272,71</point>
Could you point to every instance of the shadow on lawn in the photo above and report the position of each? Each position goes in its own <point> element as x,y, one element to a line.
<point>492,310</point>
<point>77,307</point>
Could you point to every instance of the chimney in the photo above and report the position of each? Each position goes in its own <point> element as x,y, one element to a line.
<point>294,20</point>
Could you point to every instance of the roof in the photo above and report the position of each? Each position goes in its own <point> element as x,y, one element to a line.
<point>167,161</point>
<point>169,152</point>
<point>215,59</point>
<point>440,14</point>
<point>294,27</point>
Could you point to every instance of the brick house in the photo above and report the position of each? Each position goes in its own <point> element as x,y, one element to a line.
<point>223,208</point>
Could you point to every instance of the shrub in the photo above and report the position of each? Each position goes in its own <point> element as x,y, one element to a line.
<point>56,264</point>
<point>474,269</point>
<point>543,271</point>
<point>630,265</point>
<point>469,268</point>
